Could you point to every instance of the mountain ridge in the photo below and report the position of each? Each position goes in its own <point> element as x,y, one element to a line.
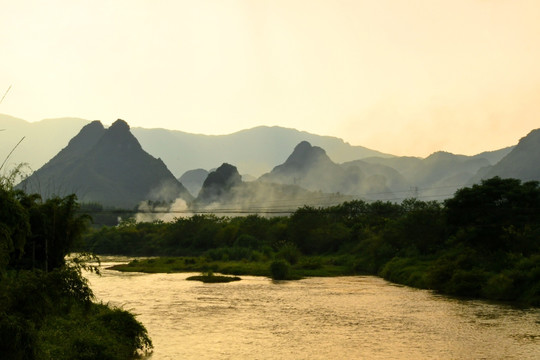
<point>107,166</point>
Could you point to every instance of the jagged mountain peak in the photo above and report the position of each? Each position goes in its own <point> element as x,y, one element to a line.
<point>88,135</point>
<point>118,137</point>
<point>305,154</point>
<point>219,182</point>
<point>106,166</point>
<point>119,125</point>
<point>226,175</point>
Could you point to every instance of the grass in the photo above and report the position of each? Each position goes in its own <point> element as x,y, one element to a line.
<point>306,267</point>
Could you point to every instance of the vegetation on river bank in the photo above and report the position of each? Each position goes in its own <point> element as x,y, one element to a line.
<point>46,306</point>
<point>484,242</point>
<point>307,266</point>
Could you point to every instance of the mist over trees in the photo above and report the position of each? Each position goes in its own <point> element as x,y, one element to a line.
<point>483,242</point>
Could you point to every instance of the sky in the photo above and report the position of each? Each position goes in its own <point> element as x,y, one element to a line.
<point>403,77</point>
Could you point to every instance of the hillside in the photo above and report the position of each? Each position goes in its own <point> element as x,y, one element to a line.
<point>106,166</point>
<point>521,163</point>
<point>311,168</point>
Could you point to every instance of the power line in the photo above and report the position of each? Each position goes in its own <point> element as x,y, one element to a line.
<point>9,88</point>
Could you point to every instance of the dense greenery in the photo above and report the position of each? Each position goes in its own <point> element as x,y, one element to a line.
<point>46,308</point>
<point>483,242</point>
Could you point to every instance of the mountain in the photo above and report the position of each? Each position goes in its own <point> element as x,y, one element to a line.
<point>224,191</point>
<point>254,151</point>
<point>495,156</point>
<point>181,151</point>
<point>107,166</point>
<point>520,163</point>
<point>439,175</point>
<point>193,180</point>
<point>218,183</point>
<point>311,168</point>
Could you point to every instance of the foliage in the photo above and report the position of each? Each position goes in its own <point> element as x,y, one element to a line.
<point>280,270</point>
<point>483,242</point>
<point>46,308</point>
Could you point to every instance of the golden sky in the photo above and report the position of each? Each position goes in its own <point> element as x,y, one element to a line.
<point>404,77</point>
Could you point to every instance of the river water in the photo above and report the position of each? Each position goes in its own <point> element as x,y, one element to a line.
<point>357,317</point>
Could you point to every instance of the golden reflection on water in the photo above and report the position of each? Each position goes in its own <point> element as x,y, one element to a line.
<point>358,317</point>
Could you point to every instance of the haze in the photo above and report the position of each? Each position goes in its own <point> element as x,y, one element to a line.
<point>402,77</point>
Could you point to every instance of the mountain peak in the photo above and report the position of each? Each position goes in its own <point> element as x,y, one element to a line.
<point>119,125</point>
<point>81,143</point>
<point>109,167</point>
<point>306,154</point>
<point>219,182</point>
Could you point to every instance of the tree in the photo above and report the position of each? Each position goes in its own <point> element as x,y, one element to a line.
<point>483,214</point>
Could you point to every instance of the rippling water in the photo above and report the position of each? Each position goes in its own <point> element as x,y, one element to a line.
<point>359,317</point>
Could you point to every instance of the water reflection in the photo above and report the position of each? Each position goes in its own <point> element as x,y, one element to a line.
<point>316,318</point>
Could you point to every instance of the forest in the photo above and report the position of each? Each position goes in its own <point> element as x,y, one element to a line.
<point>484,242</point>
<point>47,310</point>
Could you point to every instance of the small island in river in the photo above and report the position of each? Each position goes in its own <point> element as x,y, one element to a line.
<point>209,277</point>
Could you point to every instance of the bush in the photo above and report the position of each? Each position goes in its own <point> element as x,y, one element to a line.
<point>290,253</point>
<point>280,270</point>
<point>499,287</point>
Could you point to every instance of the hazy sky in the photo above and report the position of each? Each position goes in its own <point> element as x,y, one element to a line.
<point>407,77</point>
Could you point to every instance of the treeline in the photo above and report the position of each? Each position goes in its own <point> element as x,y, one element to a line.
<point>483,242</point>
<point>46,307</point>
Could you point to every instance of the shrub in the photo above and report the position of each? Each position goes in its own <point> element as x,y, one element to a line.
<point>290,253</point>
<point>499,287</point>
<point>280,270</point>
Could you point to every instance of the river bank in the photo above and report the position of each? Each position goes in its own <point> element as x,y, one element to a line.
<point>350,317</point>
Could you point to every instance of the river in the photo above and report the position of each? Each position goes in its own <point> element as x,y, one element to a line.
<point>356,317</point>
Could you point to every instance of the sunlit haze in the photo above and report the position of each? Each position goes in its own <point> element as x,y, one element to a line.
<point>402,77</point>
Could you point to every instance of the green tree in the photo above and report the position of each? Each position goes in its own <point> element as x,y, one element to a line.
<point>483,214</point>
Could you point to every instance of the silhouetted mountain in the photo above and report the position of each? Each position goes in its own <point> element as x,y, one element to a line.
<point>309,167</point>
<point>218,183</point>
<point>521,163</point>
<point>193,180</point>
<point>224,190</point>
<point>363,172</point>
<point>181,151</point>
<point>106,166</point>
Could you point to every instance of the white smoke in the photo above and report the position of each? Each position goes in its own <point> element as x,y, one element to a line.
<point>150,212</point>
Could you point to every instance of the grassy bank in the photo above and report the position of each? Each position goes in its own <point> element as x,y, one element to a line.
<point>305,267</point>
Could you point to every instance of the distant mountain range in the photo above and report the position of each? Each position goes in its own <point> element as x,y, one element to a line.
<point>111,167</point>
<point>253,151</point>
